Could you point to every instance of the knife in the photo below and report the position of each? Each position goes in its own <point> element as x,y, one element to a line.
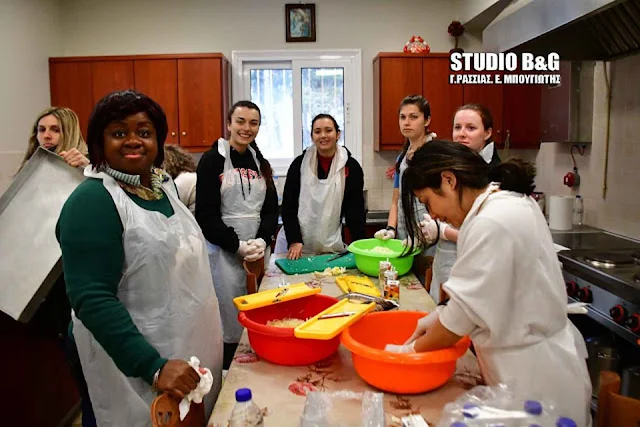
<point>334,315</point>
<point>335,257</point>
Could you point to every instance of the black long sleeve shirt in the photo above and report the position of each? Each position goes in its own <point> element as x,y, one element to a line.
<point>208,199</point>
<point>352,204</point>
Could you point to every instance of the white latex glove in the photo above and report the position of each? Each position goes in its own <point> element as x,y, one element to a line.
<point>424,324</point>
<point>443,227</point>
<point>385,234</point>
<point>408,242</point>
<point>245,249</point>
<point>407,348</point>
<point>429,228</point>
<point>258,243</point>
<point>254,256</point>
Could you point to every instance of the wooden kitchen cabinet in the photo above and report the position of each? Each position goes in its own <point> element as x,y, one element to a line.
<point>193,90</point>
<point>202,101</point>
<point>395,77</point>
<point>157,78</point>
<point>70,85</point>
<point>444,98</point>
<point>110,76</point>
<point>515,108</point>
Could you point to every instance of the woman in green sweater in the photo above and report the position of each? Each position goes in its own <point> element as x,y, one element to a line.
<point>136,268</point>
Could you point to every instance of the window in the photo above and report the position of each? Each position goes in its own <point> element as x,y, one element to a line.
<point>291,88</point>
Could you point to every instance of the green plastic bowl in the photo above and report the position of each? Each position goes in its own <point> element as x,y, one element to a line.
<point>369,262</point>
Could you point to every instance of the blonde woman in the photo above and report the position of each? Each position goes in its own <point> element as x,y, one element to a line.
<point>57,129</point>
<point>181,166</point>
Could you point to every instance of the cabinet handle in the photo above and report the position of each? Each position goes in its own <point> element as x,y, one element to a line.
<point>173,134</point>
<point>184,134</point>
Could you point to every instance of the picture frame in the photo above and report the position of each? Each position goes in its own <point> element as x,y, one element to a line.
<point>300,21</point>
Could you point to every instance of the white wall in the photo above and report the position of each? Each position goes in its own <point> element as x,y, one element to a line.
<point>96,27</point>
<point>29,35</point>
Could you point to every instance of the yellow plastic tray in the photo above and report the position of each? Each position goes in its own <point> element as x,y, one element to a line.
<point>360,284</point>
<point>325,329</point>
<point>274,296</point>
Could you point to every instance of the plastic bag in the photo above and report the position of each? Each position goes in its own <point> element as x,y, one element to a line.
<point>331,409</point>
<point>485,406</point>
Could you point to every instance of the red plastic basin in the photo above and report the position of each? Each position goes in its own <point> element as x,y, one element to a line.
<point>279,345</point>
<point>394,372</point>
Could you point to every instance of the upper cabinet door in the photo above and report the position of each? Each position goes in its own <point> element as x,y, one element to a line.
<point>444,98</point>
<point>110,76</point>
<point>71,88</point>
<point>394,79</point>
<point>490,96</point>
<point>521,122</point>
<point>201,101</point>
<point>157,78</point>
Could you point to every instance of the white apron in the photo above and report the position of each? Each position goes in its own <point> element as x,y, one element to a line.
<point>242,212</point>
<point>166,288</point>
<point>443,261</point>
<point>552,368</point>
<point>320,205</point>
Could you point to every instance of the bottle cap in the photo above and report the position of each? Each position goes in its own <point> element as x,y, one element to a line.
<point>565,422</point>
<point>243,395</point>
<point>533,407</point>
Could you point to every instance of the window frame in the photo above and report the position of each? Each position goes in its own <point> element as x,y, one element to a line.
<point>275,59</point>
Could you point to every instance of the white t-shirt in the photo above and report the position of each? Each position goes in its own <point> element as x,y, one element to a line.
<point>186,184</point>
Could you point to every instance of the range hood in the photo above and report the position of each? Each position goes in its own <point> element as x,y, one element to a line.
<point>575,29</point>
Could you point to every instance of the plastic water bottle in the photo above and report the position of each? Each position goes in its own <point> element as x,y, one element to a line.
<point>245,412</point>
<point>578,211</point>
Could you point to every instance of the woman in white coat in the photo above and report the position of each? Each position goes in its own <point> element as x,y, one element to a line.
<point>237,209</point>
<point>506,288</point>
<point>473,127</point>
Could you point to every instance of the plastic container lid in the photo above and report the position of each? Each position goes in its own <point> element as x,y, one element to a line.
<point>470,410</point>
<point>533,407</point>
<point>243,395</point>
<point>565,422</point>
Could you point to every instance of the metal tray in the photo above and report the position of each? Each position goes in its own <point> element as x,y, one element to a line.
<point>30,259</point>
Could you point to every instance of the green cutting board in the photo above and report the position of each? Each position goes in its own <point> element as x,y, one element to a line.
<point>315,263</point>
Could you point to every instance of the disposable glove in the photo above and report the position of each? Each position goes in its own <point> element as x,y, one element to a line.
<point>429,228</point>
<point>424,324</point>
<point>407,348</point>
<point>385,234</point>
<point>245,249</point>
<point>259,243</point>
<point>254,256</point>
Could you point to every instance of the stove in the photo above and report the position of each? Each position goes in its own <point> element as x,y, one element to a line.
<point>604,270</point>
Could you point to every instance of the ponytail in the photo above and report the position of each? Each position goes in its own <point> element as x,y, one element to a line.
<point>514,175</point>
<point>265,166</point>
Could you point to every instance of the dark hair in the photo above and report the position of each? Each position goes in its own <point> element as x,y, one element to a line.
<point>485,116</point>
<point>424,107</point>
<point>325,116</point>
<point>265,166</point>
<point>119,106</point>
<point>424,170</point>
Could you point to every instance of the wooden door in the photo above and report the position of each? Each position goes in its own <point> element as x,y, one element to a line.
<point>444,98</point>
<point>158,79</point>
<point>394,79</point>
<point>491,97</point>
<point>110,76</point>
<point>200,102</point>
<point>521,122</point>
<point>71,87</point>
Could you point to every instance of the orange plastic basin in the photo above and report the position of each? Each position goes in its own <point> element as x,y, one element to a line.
<point>279,345</point>
<point>394,372</point>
